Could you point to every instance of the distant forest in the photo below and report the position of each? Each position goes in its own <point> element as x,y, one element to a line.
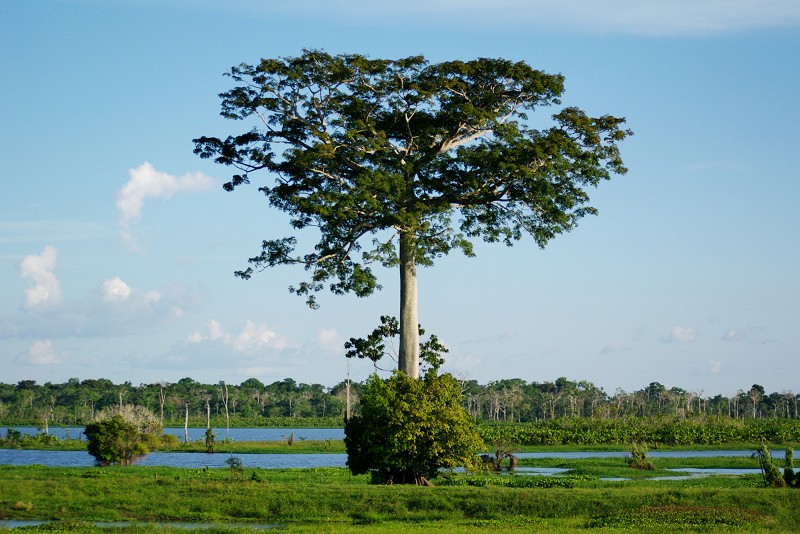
<point>253,403</point>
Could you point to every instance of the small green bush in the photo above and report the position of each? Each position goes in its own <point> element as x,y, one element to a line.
<point>113,441</point>
<point>770,472</point>
<point>638,458</point>
<point>210,440</point>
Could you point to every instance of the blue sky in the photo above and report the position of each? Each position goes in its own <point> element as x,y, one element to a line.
<point>118,244</point>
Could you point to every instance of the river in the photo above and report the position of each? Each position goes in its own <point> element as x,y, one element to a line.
<point>277,461</point>
<point>281,461</point>
<point>198,434</point>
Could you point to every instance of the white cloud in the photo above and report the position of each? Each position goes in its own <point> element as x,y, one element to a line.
<point>251,338</point>
<point>215,330</point>
<point>46,291</point>
<point>146,182</point>
<point>330,341</point>
<point>195,337</point>
<point>40,353</point>
<point>715,366</point>
<point>115,290</point>
<point>680,334</point>
<point>117,294</point>
<point>112,309</point>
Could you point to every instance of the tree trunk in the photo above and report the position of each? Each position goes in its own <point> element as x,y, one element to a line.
<point>408,361</point>
<point>227,415</point>
<point>162,397</point>
<point>347,390</point>
<point>186,425</point>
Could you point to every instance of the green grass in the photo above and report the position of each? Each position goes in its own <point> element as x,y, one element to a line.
<point>331,500</point>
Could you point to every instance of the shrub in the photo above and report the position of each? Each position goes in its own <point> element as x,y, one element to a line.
<point>210,440</point>
<point>770,472</point>
<point>638,458</point>
<point>788,468</point>
<point>115,441</point>
<point>409,429</point>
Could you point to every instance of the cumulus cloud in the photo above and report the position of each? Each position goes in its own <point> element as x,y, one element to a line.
<point>715,366</point>
<point>113,308</point>
<point>251,338</point>
<point>117,294</point>
<point>680,334</point>
<point>215,330</point>
<point>46,291</point>
<point>115,290</point>
<point>146,182</point>
<point>40,353</point>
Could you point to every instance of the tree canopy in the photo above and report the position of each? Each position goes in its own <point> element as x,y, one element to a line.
<point>398,162</point>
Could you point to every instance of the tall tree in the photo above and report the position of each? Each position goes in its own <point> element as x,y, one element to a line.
<point>419,157</point>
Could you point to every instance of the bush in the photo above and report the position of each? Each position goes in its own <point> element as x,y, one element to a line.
<point>115,441</point>
<point>771,474</point>
<point>638,458</point>
<point>210,440</point>
<point>409,429</point>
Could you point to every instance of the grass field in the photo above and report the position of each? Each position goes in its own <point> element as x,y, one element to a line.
<point>331,500</point>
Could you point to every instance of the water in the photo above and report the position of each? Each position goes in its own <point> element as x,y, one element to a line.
<point>692,473</point>
<point>198,434</point>
<point>281,461</point>
<point>652,454</point>
<point>541,471</point>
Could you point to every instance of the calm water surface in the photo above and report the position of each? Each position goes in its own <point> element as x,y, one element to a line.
<point>277,461</point>
<point>282,461</point>
<point>198,434</point>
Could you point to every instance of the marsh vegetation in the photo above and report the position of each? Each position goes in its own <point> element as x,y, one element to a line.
<point>589,494</point>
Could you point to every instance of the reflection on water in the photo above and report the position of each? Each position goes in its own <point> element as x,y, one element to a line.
<point>540,471</point>
<point>282,461</point>
<point>198,434</point>
<point>652,454</point>
<point>695,472</point>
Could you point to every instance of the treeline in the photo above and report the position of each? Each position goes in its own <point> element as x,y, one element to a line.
<point>288,403</point>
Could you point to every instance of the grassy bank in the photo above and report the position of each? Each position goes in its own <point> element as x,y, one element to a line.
<point>331,500</point>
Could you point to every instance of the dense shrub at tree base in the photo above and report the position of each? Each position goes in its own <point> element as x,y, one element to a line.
<point>121,434</point>
<point>408,429</point>
<point>115,441</point>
